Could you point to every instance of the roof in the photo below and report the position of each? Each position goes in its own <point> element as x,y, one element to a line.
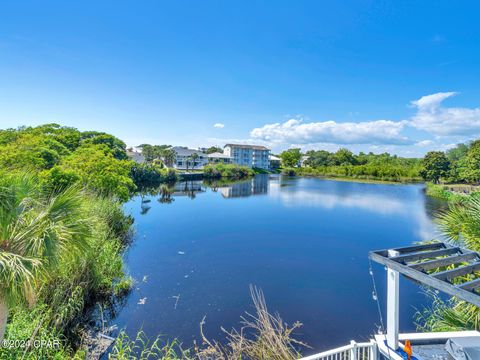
<point>218,155</point>
<point>274,158</point>
<point>441,266</point>
<point>182,151</point>
<point>244,146</point>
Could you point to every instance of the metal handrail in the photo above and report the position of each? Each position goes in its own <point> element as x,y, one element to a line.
<point>353,351</point>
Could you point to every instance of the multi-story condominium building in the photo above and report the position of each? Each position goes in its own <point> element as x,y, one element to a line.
<point>186,160</point>
<point>248,155</point>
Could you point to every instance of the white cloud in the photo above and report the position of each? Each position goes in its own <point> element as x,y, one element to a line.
<point>430,116</point>
<point>298,132</point>
<point>423,143</point>
<point>219,125</point>
<point>444,121</point>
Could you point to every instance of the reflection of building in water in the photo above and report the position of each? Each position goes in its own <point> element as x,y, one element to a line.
<point>256,186</point>
<point>187,188</point>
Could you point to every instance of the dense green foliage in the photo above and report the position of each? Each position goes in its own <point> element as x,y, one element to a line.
<point>291,157</point>
<point>64,156</point>
<point>230,171</point>
<point>213,149</point>
<point>435,165</point>
<point>460,164</point>
<point>56,282</point>
<point>461,225</point>
<point>345,164</point>
<point>153,152</point>
<point>150,175</point>
<point>62,232</point>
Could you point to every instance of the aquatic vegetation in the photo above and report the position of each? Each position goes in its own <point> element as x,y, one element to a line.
<point>262,336</point>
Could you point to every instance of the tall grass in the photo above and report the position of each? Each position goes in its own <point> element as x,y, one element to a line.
<point>262,336</point>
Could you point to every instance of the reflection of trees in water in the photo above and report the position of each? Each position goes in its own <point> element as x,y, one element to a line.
<point>144,207</point>
<point>242,188</point>
<point>165,193</point>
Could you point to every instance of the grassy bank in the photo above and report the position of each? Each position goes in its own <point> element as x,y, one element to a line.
<point>451,192</point>
<point>357,172</point>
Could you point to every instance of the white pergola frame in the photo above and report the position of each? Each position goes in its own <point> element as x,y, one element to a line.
<point>438,265</point>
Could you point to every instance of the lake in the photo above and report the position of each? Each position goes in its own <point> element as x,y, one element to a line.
<point>303,241</point>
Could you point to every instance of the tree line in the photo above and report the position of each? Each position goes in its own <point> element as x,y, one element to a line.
<point>460,164</point>
<point>344,163</point>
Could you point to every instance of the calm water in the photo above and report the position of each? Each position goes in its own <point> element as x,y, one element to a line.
<point>303,241</point>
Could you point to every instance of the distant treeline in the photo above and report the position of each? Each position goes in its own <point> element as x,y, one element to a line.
<point>344,163</point>
<point>460,165</point>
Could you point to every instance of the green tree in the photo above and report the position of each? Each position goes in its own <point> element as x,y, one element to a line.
<point>435,165</point>
<point>194,157</point>
<point>31,151</point>
<point>344,157</point>
<point>457,153</point>
<point>291,157</point>
<point>117,146</point>
<point>319,158</point>
<point>169,156</point>
<point>36,230</point>
<point>98,169</point>
<point>470,164</point>
<point>213,149</point>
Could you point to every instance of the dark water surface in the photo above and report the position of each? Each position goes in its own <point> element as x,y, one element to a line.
<point>303,241</point>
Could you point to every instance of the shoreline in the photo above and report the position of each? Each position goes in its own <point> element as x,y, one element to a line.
<point>367,181</point>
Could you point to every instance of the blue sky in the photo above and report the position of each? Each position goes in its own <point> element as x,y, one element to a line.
<point>376,76</point>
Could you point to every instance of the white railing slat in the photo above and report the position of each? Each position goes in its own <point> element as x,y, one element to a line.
<point>353,351</point>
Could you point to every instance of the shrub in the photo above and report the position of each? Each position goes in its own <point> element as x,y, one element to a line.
<point>230,171</point>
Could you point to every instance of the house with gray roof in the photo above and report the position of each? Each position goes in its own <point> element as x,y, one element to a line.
<point>186,160</point>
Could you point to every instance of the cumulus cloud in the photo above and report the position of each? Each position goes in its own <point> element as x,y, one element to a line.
<point>219,125</point>
<point>432,117</point>
<point>298,132</point>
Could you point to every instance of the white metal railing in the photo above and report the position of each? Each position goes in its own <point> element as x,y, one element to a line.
<point>353,351</point>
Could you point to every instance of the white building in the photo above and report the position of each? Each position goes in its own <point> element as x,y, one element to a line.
<point>218,157</point>
<point>136,156</point>
<point>275,162</point>
<point>185,159</point>
<point>248,155</point>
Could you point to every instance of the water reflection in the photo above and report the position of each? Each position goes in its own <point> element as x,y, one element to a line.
<point>256,186</point>
<point>207,252</point>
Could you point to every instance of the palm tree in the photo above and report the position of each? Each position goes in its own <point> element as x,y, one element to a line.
<point>36,230</point>
<point>169,156</point>
<point>460,224</point>
<point>194,158</point>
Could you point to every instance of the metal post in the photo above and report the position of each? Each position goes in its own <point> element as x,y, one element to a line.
<point>393,289</point>
<point>353,350</point>
<point>373,350</point>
